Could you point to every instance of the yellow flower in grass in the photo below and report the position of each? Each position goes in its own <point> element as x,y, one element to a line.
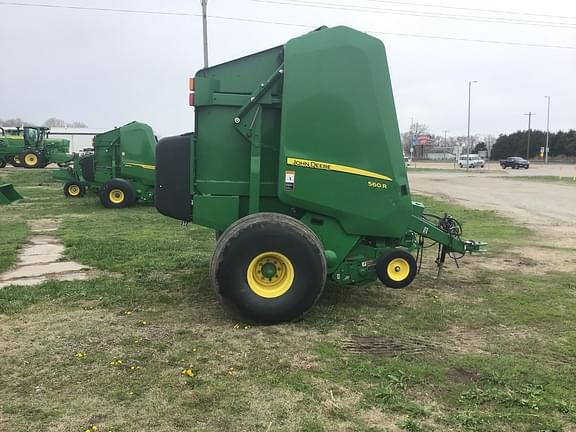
<point>80,354</point>
<point>188,372</point>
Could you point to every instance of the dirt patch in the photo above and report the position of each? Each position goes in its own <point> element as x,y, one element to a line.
<point>463,375</point>
<point>41,259</point>
<point>546,208</point>
<point>453,341</point>
<point>391,346</point>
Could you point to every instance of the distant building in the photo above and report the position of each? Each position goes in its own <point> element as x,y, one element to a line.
<point>80,138</point>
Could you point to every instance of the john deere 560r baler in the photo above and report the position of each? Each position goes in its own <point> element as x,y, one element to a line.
<point>296,160</point>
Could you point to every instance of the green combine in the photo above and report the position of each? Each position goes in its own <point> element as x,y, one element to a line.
<point>120,167</point>
<point>30,147</point>
<point>296,162</point>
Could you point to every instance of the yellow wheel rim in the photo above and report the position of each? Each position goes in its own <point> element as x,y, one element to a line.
<point>398,269</point>
<point>31,159</point>
<point>74,190</point>
<point>116,196</point>
<point>270,274</point>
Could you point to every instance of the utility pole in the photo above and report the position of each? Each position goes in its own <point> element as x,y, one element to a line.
<point>205,31</point>
<point>468,139</point>
<point>530,114</point>
<point>547,131</point>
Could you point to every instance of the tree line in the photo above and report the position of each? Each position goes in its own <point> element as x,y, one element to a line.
<point>516,144</point>
<point>52,122</point>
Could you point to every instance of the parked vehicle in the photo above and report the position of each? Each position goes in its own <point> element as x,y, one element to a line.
<point>30,147</point>
<point>514,162</point>
<point>295,202</point>
<point>470,161</point>
<point>120,167</point>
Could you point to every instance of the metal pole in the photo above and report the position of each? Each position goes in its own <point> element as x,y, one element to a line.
<point>547,131</point>
<point>468,139</point>
<point>530,114</point>
<point>205,31</point>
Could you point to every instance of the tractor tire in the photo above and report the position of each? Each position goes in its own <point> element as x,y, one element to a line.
<point>32,159</point>
<point>397,268</point>
<point>74,189</point>
<point>117,193</point>
<point>14,161</point>
<point>268,268</point>
<point>2,163</point>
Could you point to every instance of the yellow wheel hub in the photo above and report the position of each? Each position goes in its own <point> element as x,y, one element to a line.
<point>116,196</point>
<point>270,274</point>
<point>31,159</point>
<point>398,269</point>
<point>73,190</point>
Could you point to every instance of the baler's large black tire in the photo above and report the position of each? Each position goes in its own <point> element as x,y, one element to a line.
<point>268,268</point>
<point>2,163</point>
<point>117,193</point>
<point>396,269</point>
<point>32,159</point>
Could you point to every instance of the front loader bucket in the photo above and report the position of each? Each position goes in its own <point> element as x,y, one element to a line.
<point>8,194</point>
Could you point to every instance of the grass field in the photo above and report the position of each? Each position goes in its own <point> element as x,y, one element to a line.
<point>146,347</point>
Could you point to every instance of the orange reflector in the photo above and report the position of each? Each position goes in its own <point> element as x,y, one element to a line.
<point>191,99</point>
<point>191,84</point>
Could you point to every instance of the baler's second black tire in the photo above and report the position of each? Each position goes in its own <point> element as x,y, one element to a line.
<point>268,268</point>
<point>74,189</point>
<point>117,193</point>
<point>397,268</point>
<point>2,163</point>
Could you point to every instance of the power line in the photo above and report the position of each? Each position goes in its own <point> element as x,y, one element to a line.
<point>259,21</point>
<point>436,15</point>
<point>473,9</point>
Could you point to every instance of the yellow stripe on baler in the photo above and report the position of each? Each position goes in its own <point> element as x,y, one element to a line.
<point>335,167</point>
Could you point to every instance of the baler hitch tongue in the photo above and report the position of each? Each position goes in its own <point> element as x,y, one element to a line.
<point>475,246</point>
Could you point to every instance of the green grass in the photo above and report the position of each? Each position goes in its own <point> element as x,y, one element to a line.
<point>479,350</point>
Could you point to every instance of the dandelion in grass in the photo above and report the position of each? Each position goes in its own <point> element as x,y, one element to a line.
<point>188,372</point>
<point>80,355</point>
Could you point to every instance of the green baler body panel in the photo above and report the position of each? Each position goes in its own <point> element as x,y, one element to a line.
<point>338,110</point>
<point>334,105</point>
<point>125,152</point>
<point>221,156</point>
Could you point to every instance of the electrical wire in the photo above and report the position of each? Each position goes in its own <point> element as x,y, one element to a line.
<point>259,21</point>
<point>473,9</point>
<point>436,15</point>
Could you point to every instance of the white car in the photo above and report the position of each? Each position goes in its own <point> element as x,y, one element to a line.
<point>471,161</point>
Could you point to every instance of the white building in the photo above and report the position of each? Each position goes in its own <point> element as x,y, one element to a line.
<point>80,138</point>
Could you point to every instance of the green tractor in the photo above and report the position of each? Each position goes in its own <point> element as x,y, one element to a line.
<point>296,162</point>
<point>120,167</point>
<point>30,147</point>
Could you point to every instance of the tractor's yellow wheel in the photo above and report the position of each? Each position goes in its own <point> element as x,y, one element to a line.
<point>31,160</point>
<point>270,274</point>
<point>73,190</point>
<point>116,196</point>
<point>397,268</point>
